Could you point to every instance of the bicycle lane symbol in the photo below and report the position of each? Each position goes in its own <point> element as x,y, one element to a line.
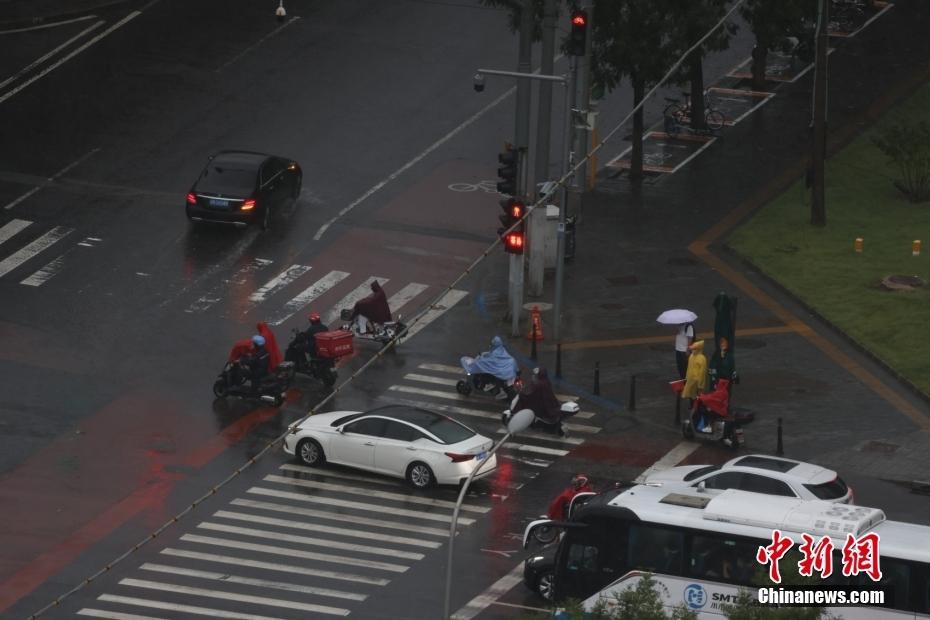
<point>489,187</point>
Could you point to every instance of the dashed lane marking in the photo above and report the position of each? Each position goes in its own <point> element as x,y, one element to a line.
<point>248,581</point>
<point>275,566</point>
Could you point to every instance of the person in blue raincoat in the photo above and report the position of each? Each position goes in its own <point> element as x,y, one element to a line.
<point>497,363</point>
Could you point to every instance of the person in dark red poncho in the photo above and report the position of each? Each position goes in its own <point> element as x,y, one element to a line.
<point>372,309</point>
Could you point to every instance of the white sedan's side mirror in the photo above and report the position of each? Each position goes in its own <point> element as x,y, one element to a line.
<point>701,486</point>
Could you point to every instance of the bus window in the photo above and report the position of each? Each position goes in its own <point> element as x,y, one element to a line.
<point>718,558</point>
<point>656,549</point>
<point>896,576</point>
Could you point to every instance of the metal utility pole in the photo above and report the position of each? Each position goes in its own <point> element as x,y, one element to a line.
<point>522,135</point>
<point>819,150</point>
<point>560,231</point>
<point>537,219</point>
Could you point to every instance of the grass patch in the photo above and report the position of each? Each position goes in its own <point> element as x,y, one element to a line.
<point>820,266</point>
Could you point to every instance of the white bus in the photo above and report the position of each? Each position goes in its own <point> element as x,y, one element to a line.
<point>701,549</point>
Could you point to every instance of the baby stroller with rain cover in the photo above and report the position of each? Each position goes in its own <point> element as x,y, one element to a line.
<point>710,418</point>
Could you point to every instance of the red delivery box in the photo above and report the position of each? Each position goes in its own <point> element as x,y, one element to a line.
<point>334,344</point>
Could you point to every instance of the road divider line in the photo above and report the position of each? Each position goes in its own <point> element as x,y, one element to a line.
<point>274,566</point>
<point>187,609</point>
<point>670,459</point>
<point>233,596</point>
<point>308,295</point>
<point>52,178</point>
<point>248,581</point>
<point>326,529</point>
<point>405,295</point>
<point>332,501</point>
<point>294,553</point>
<point>41,244</point>
<point>349,490</point>
<point>331,473</point>
<point>35,63</point>
<point>435,311</point>
<point>341,517</point>
<point>309,540</point>
<point>71,55</point>
<point>359,292</point>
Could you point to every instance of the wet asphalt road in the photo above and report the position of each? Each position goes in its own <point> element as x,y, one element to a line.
<point>108,424</point>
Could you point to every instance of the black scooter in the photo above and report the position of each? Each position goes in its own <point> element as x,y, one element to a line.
<point>232,382</point>
<point>299,353</point>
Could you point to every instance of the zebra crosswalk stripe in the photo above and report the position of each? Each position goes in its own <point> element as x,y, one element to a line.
<point>237,279</point>
<point>447,301</point>
<point>12,227</point>
<point>332,473</point>
<point>455,370</point>
<point>412,376</point>
<point>278,282</point>
<point>404,296</point>
<point>187,609</point>
<point>41,244</point>
<point>360,292</point>
<point>112,615</point>
<point>308,295</point>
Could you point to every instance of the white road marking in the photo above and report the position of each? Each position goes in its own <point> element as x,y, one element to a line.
<point>326,529</point>
<point>455,370</point>
<point>233,596</point>
<point>343,518</point>
<point>674,456</point>
<point>431,314</point>
<point>248,581</point>
<point>275,566</point>
<point>45,57</point>
<point>398,497</point>
<point>308,295</point>
<point>360,292</point>
<point>11,228</point>
<point>435,145</point>
<point>331,473</point>
<point>237,279</point>
<point>294,553</point>
<point>402,297</point>
<point>387,510</point>
<point>582,428</point>
<point>83,18</point>
<point>44,242</point>
<point>522,447</point>
<point>309,540</point>
<point>74,53</point>
<point>413,376</point>
<point>494,592</point>
<point>257,43</point>
<point>187,609</point>
<point>278,282</point>
<point>575,441</point>
<point>52,178</point>
<point>113,615</point>
<point>46,273</point>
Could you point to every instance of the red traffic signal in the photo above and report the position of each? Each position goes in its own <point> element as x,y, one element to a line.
<point>513,242</point>
<point>576,40</point>
<point>513,210</point>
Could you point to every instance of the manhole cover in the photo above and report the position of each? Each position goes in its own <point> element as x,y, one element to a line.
<point>683,261</point>
<point>882,447</point>
<point>623,280</point>
<point>901,283</point>
<point>612,306</point>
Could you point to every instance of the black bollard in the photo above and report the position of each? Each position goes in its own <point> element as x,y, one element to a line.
<point>632,404</point>
<point>597,378</point>
<point>533,346</point>
<point>558,361</point>
<point>779,448</point>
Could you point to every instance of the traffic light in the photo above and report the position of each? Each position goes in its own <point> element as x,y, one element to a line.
<point>508,171</point>
<point>514,210</point>
<point>576,40</point>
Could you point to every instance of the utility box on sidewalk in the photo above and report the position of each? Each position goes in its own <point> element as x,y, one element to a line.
<point>552,239</point>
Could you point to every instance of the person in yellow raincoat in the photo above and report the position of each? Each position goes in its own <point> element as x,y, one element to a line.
<point>696,376</point>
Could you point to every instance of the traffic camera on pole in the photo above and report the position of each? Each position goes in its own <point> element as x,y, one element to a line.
<point>576,40</point>
<point>514,210</point>
<point>509,161</point>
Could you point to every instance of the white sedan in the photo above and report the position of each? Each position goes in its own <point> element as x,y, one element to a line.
<point>759,473</point>
<point>406,442</point>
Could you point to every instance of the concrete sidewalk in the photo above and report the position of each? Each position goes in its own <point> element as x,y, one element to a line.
<point>645,249</point>
<point>24,13</point>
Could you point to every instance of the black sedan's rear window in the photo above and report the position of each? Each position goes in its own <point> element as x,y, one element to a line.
<point>834,489</point>
<point>218,179</point>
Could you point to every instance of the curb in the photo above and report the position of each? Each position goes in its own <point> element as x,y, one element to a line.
<point>65,13</point>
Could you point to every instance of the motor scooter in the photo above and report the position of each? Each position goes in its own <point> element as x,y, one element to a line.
<point>567,410</point>
<point>382,333</point>
<point>710,419</point>
<point>318,358</point>
<point>272,389</point>
<point>484,382</point>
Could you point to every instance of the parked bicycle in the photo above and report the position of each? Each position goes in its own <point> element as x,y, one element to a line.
<point>681,113</point>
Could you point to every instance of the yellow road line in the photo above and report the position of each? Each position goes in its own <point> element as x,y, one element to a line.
<point>631,342</point>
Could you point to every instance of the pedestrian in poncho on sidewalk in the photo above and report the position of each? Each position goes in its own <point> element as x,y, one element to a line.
<point>696,375</point>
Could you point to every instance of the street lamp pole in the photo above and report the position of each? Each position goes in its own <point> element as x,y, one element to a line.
<point>519,421</point>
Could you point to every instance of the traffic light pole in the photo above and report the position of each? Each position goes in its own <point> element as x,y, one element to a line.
<point>560,232</point>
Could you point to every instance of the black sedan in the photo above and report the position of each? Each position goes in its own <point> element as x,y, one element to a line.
<point>240,187</point>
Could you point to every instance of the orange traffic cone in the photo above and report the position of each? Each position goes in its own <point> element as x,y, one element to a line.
<point>536,332</point>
